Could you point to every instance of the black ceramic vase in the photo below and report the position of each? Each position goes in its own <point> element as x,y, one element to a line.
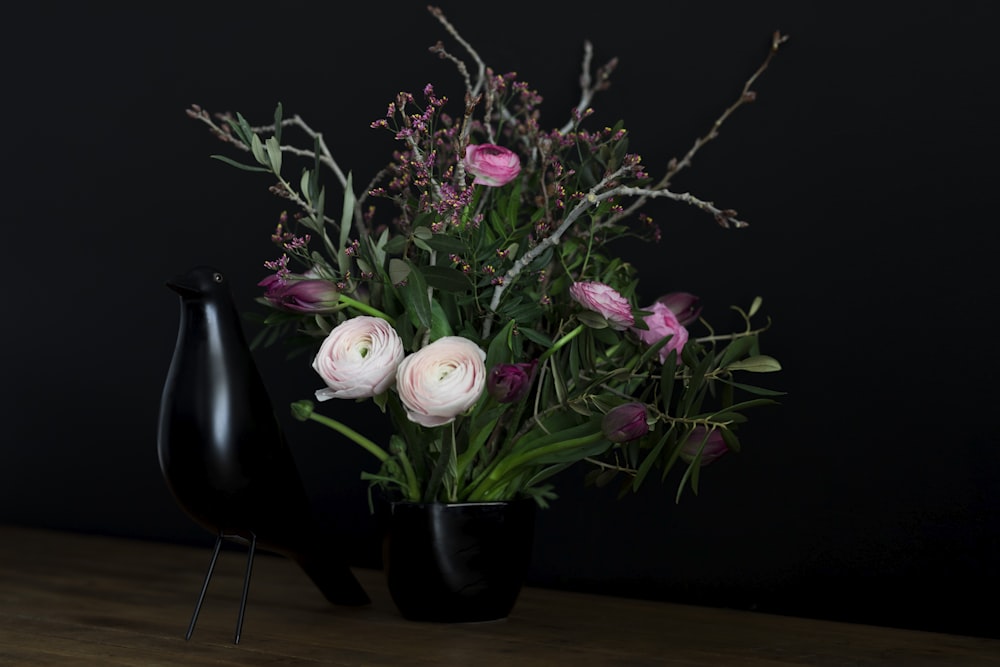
<point>457,562</point>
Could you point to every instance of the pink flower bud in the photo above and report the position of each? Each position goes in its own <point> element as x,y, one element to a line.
<point>625,423</point>
<point>659,324</point>
<point>508,383</point>
<point>714,447</point>
<point>605,301</point>
<point>687,307</point>
<point>300,294</point>
<point>491,165</point>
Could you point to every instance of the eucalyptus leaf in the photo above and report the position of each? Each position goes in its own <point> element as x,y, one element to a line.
<point>416,297</point>
<point>729,437</point>
<point>257,149</point>
<point>278,112</point>
<point>536,336</point>
<point>736,349</point>
<point>759,364</point>
<point>444,243</point>
<point>274,154</point>
<point>240,165</point>
<point>399,271</point>
<point>592,319</point>
<point>346,216</point>
<point>760,391</point>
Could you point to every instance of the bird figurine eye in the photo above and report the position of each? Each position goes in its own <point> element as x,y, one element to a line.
<point>217,277</point>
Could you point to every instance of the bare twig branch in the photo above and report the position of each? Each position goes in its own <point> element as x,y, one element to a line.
<point>480,65</point>
<point>746,96</point>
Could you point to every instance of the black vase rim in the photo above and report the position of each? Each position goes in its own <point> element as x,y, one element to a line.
<point>462,503</point>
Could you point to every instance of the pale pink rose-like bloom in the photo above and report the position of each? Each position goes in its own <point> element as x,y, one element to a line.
<point>605,301</point>
<point>358,359</point>
<point>662,322</point>
<point>491,165</point>
<point>442,380</point>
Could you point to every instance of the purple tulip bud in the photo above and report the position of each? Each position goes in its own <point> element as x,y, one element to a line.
<point>625,423</point>
<point>685,307</point>
<point>714,447</point>
<point>300,294</point>
<point>508,383</point>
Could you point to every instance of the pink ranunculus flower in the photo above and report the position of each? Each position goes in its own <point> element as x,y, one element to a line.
<point>358,359</point>
<point>662,323</point>
<point>605,301</point>
<point>491,165</point>
<point>442,380</point>
<point>714,447</point>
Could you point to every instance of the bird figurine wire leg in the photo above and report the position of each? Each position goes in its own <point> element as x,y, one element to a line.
<point>204,588</point>
<point>252,548</point>
<point>223,452</point>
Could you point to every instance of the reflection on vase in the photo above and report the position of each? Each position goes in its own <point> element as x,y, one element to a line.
<point>457,562</point>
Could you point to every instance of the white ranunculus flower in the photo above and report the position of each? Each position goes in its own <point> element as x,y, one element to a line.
<point>441,381</point>
<point>358,359</point>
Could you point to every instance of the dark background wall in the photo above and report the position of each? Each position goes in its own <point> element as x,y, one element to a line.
<point>866,168</point>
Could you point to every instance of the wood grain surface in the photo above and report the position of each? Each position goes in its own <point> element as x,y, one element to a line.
<point>75,599</point>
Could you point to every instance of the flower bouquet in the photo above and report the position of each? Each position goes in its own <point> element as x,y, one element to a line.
<point>471,292</point>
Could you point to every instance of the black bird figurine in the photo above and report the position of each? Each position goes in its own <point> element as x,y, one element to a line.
<point>224,455</point>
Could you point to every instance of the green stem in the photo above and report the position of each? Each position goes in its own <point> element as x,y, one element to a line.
<point>412,493</point>
<point>356,437</point>
<point>365,308</point>
<point>560,343</point>
<point>512,462</point>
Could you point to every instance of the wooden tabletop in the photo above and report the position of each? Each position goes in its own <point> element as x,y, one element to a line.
<point>74,599</point>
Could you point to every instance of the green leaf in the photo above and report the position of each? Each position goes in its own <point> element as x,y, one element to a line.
<point>447,279</point>
<point>239,165</point>
<point>760,391</point>
<point>346,216</point>
<point>694,387</point>
<point>415,296</point>
<point>274,154</point>
<point>592,319</point>
<point>445,244</point>
<point>314,187</point>
<point>499,351</point>
<point>399,271</point>
<point>445,469</point>
<point>241,127</point>
<point>729,437</point>
<point>536,336</point>
<point>304,185</point>
<point>651,458</point>
<point>277,123</point>
<point>667,381</point>
<point>257,148</point>
<point>759,364</point>
<point>395,245</point>
<point>738,348</point>
<point>440,324</point>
